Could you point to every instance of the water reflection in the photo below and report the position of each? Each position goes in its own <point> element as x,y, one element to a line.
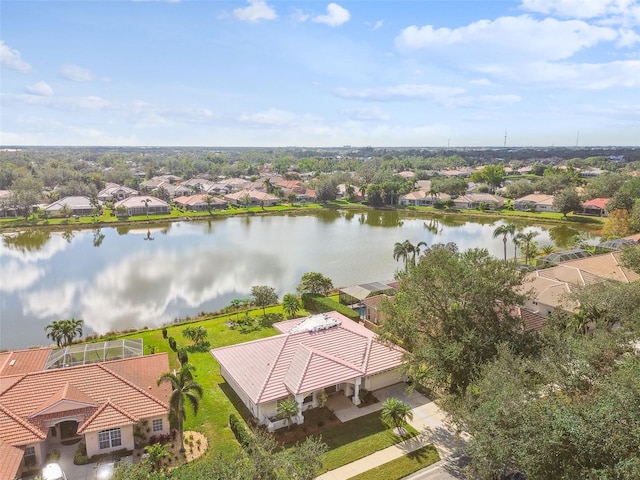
<point>113,280</point>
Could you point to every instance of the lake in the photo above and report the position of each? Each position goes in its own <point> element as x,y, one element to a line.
<point>121,278</point>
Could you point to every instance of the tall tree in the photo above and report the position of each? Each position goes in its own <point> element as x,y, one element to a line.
<point>567,201</point>
<point>146,202</point>
<point>26,192</point>
<point>504,230</point>
<point>183,390</point>
<point>314,282</point>
<point>451,311</point>
<point>403,251</point>
<point>525,240</point>
<point>63,332</point>
<point>263,296</point>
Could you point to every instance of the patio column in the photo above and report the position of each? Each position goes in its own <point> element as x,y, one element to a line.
<point>356,391</point>
<point>299,401</point>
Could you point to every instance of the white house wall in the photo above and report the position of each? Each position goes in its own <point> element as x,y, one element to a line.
<point>243,396</point>
<point>93,447</point>
<point>384,379</point>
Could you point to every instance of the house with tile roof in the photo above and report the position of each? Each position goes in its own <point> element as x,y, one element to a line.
<point>100,403</point>
<point>112,192</point>
<point>138,205</point>
<point>595,206</point>
<point>198,203</point>
<point>251,197</point>
<point>326,353</point>
<point>78,205</point>
<point>535,202</point>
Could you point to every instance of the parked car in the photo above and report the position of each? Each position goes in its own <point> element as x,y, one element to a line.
<point>104,471</point>
<point>53,471</point>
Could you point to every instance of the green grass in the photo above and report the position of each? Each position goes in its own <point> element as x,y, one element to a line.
<point>215,405</point>
<point>358,438</point>
<point>403,466</point>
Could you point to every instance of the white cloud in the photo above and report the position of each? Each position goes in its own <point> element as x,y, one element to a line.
<point>507,39</point>
<point>582,8</point>
<point>41,88</point>
<point>366,114</point>
<point>17,276</point>
<point>273,116</point>
<point>484,82</point>
<point>256,11</point>
<point>378,25</point>
<point>336,16</point>
<point>10,58</point>
<point>50,302</point>
<point>299,16</point>
<point>76,73</point>
<point>60,103</point>
<point>585,76</point>
<point>399,92</point>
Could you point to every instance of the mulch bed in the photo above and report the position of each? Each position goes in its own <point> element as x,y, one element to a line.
<point>316,421</point>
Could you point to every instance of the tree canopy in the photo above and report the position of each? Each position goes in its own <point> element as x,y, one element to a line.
<point>451,311</point>
<point>263,296</point>
<point>314,282</point>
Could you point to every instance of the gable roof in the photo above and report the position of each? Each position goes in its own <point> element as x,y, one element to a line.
<point>108,415</point>
<point>302,360</point>
<point>596,202</point>
<point>11,461</point>
<point>28,396</point>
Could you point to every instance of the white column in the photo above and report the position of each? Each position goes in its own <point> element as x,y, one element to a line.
<point>299,419</point>
<point>356,392</point>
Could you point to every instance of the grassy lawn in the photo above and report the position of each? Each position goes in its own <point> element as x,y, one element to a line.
<point>403,466</point>
<point>215,405</point>
<point>358,438</point>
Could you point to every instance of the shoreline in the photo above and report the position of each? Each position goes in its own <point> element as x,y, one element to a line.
<point>587,222</point>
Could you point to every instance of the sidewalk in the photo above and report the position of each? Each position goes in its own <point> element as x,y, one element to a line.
<point>428,419</point>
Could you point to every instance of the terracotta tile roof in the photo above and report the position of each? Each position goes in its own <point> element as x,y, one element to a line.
<point>69,393</point>
<point>596,202</point>
<point>16,431</point>
<point>11,461</point>
<point>101,383</point>
<point>536,198</point>
<point>272,368</point>
<point>144,374</point>
<point>107,416</point>
<point>23,361</point>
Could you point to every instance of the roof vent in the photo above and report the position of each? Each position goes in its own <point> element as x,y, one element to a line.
<point>12,362</point>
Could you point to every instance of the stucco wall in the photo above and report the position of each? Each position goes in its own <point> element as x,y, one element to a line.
<point>384,379</point>
<point>93,448</point>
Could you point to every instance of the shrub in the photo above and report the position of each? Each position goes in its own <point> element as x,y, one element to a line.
<point>270,318</point>
<point>53,455</point>
<point>241,433</point>
<point>80,455</point>
<point>164,333</point>
<point>318,303</point>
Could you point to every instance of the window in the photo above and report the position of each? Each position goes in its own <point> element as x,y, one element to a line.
<point>30,456</point>
<point>156,425</point>
<point>109,438</point>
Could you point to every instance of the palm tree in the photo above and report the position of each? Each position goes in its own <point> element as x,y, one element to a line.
<point>182,387</point>
<point>416,251</point>
<point>268,186</point>
<point>525,239</point>
<point>55,331</point>
<point>288,409</point>
<point>504,230</point>
<point>146,202</point>
<point>396,412</point>
<point>208,200</point>
<point>63,332</point>
<point>404,250</point>
<point>290,304</point>
<point>235,304</point>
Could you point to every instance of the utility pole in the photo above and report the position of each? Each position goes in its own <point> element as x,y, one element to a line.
<point>578,138</point>
<point>505,138</point>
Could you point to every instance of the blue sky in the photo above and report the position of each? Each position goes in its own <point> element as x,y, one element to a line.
<point>308,73</point>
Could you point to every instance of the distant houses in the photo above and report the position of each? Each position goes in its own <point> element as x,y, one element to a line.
<point>143,205</point>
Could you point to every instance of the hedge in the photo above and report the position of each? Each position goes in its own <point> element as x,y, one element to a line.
<point>315,302</point>
<point>239,431</point>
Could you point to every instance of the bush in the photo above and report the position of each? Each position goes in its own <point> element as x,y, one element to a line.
<point>164,333</point>
<point>314,302</point>
<point>80,455</point>
<point>270,318</point>
<point>163,438</point>
<point>53,455</point>
<point>241,433</point>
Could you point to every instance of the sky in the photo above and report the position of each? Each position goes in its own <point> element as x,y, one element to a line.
<point>305,73</point>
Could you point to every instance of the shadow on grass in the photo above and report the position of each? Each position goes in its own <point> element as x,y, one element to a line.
<point>237,403</point>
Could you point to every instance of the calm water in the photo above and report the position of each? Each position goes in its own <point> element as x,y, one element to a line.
<point>118,278</point>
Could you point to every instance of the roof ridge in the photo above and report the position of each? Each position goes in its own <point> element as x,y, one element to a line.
<point>101,409</point>
<point>306,365</point>
<point>32,428</point>
<point>367,355</point>
<point>329,356</point>
<point>133,385</point>
<point>273,366</point>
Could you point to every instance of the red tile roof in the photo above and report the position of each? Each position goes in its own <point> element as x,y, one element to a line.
<point>107,416</point>
<point>272,368</point>
<point>23,361</point>
<point>27,397</point>
<point>596,202</point>
<point>11,461</point>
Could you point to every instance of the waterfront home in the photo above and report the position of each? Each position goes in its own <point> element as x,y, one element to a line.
<point>535,202</point>
<point>476,200</point>
<point>113,192</point>
<point>321,354</point>
<point>143,205</point>
<point>423,198</point>
<point>595,206</point>
<point>251,198</point>
<point>78,205</point>
<point>97,403</point>
<point>198,203</point>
